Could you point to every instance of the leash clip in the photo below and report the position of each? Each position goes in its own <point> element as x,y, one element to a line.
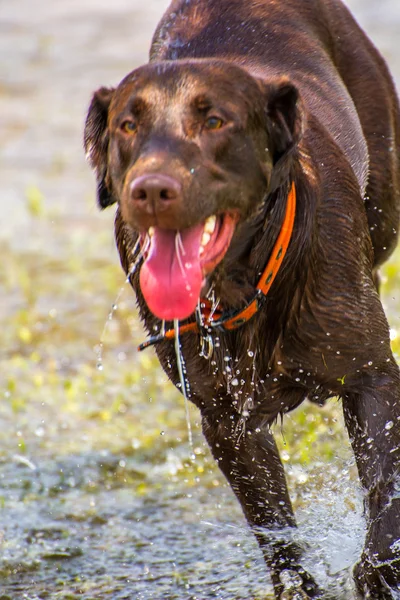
<point>206,345</point>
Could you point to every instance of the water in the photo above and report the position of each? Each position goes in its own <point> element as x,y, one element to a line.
<point>94,501</point>
<point>185,385</point>
<point>114,307</point>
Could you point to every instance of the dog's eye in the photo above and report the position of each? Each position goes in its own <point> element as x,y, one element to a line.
<point>129,127</point>
<point>214,123</point>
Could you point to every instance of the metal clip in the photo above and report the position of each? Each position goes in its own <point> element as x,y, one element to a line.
<point>206,346</point>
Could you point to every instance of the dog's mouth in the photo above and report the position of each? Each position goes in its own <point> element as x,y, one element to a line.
<point>177,262</point>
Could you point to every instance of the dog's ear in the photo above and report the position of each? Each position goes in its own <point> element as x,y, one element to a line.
<point>284,113</point>
<point>96,143</point>
<point>284,117</point>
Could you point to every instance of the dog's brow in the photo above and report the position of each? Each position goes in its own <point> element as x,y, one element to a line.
<point>202,102</point>
<point>151,93</point>
<point>138,105</point>
<point>164,102</point>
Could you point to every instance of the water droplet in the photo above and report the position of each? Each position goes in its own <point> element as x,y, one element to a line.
<point>235,382</point>
<point>389,425</point>
<point>250,353</point>
<point>183,381</point>
<point>99,365</point>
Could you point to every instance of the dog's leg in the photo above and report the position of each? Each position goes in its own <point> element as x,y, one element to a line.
<point>373,421</point>
<point>250,461</point>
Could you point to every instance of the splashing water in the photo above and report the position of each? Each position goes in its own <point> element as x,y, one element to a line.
<point>331,532</point>
<point>114,307</point>
<point>292,582</point>
<point>214,301</point>
<point>184,385</point>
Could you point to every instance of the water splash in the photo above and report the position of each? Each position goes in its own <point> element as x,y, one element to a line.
<point>184,385</point>
<point>215,301</point>
<point>114,306</point>
<point>292,583</point>
<point>331,530</point>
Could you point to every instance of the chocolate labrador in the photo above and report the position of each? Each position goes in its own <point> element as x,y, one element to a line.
<point>255,166</point>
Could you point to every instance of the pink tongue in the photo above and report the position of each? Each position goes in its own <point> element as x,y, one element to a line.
<point>171,282</point>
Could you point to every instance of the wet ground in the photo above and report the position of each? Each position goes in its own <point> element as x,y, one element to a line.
<point>98,497</point>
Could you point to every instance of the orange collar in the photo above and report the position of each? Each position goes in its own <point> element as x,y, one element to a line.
<point>208,320</point>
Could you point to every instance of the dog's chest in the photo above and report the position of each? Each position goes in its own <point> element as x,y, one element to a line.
<point>241,379</point>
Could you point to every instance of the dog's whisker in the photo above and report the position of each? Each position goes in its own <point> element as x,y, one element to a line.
<point>145,246</point>
<point>138,257</point>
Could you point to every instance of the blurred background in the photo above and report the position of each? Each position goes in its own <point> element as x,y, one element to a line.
<point>98,496</point>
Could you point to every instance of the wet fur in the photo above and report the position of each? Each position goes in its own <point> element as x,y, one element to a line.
<point>322,331</point>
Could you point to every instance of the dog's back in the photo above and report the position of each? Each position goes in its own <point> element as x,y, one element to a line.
<point>313,42</point>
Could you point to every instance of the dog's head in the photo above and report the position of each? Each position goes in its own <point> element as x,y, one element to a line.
<point>189,149</point>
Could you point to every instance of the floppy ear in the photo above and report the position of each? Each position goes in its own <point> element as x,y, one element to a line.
<point>285,127</point>
<point>96,143</point>
<point>285,118</point>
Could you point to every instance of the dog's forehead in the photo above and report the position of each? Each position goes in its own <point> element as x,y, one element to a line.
<point>160,84</point>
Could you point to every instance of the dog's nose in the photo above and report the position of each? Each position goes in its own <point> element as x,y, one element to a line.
<point>155,192</point>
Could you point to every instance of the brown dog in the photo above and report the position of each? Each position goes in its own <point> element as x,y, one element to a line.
<point>256,161</point>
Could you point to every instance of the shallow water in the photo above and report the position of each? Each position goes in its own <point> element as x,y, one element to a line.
<point>98,495</point>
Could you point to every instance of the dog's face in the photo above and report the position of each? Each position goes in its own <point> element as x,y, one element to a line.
<point>188,149</point>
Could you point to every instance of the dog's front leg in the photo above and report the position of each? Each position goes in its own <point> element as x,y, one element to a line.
<point>373,421</point>
<point>250,461</point>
